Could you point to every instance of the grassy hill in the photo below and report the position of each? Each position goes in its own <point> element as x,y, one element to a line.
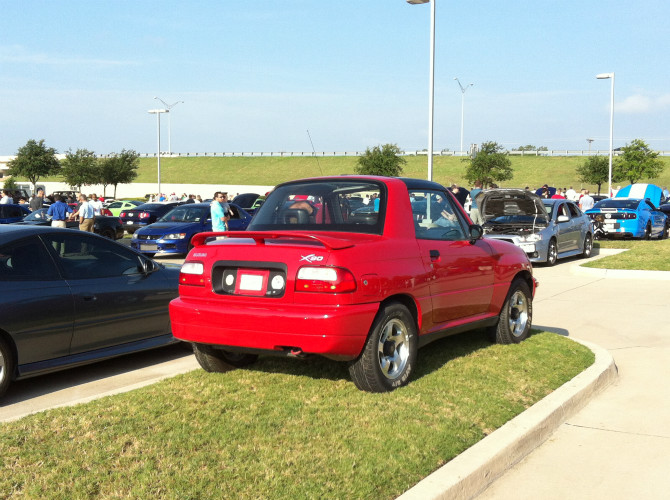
<point>533,171</point>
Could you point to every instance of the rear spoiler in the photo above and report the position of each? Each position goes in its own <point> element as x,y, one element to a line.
<point>260,237</point>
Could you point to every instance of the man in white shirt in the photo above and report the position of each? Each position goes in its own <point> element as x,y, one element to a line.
<point>96,204</point>
<point>6,197</point>
<point>571,194</point>
<point>586,202</point>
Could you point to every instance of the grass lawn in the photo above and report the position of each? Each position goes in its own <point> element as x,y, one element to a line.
<point>284,429</point>
<point>652,255</point>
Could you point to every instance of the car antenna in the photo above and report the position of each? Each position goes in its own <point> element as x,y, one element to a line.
<point>314,151</point>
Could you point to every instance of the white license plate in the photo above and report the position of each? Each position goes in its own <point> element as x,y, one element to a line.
<point>527,247</point>
<point>130,223</point>
<point>149,248</point>
<point>251,282</point>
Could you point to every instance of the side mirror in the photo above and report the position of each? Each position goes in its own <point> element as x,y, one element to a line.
<point>476,233</point>
<point>147,266</point>
<point>563,218</point>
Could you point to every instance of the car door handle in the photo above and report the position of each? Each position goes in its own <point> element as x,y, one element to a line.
<point>434,255</point>
<point>89,297</point>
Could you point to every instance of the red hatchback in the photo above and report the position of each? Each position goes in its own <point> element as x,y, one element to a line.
<point>354,268</point>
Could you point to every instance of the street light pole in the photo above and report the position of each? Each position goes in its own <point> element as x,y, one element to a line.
<point>463,89</point>
<point>605,76</point>
<point>168,107</point>
<point>431,85</point>
<point>158,112</point>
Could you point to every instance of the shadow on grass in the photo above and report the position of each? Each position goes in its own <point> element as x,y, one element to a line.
<point>430,358</point>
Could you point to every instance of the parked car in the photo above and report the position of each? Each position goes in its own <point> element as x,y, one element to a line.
<point>109,227</point>
<point>74,297</point>
<point>546,229</point>
<point>309,276</point>
<point>10,213</point>
<point>116,207</point>
<point>145,214</point>
<point>173,232</point>
<point>628,218</point>
<point>245,200</point>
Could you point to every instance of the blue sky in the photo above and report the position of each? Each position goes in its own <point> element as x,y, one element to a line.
<point>256,75</point>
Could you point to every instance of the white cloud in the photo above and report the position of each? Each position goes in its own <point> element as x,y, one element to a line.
<point>637,104</point>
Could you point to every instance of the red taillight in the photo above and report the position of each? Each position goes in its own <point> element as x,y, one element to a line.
<point>192,273</point>
<point>144,215</point>
<point>122,214</point>
<point>325,279</point>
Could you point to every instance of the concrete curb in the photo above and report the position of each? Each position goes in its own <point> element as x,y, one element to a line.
<point>475,469</point>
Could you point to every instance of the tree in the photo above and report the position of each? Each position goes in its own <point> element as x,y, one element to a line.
<point>637,162</point>
<point>34,161</point>
<point>10,184</point>
<point>595,170</point>
<point>80,168</point>
<point>490,164</point>
<point>119,169</point>
<point>384,160</point>
<point>530,147</point>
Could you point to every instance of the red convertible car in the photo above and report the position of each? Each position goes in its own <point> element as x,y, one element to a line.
<point>360,269</point>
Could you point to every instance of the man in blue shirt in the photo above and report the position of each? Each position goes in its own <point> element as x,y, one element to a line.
<point>58,212</point>
<point>219,216</point>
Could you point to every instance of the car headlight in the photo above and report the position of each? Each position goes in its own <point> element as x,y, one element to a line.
<point>174,236</point>
<point>135,236</point>
<point>532,237</point>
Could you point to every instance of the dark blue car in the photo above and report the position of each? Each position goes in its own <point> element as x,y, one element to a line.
<point>10,213</point>
<point>172,233</point>
<point>71,297</point>
<point>148,213</point>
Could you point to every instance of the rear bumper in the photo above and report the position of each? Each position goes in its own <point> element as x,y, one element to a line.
<point>338,332</point>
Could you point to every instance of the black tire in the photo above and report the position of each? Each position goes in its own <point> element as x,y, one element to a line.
<point>150,255</point>
<point>552,253</point>
<point>516,315</point>
<point>647,232</point>
<point>389,354</point>
<point>108,233</point>
<point>6,366</point>
<point>664,233</point>
<point>218,361</point>
<point>588,246</point>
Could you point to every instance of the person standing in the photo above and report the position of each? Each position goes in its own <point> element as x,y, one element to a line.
<point>37,201</point>
<point>586,202</point>
<point>218,213</point>
<point>59,211</point>
<point>7,197</point>
<point>86,214</point>
<point>475,215</point>
<point>96,204</point>
<point>558,195</point>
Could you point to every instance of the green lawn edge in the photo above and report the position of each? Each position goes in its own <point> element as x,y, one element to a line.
<point>285,428</point>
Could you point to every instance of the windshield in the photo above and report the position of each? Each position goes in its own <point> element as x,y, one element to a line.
<point>324,205</point>
<point>40,214</point>
<point>185,214</point>
<point>614,203</point>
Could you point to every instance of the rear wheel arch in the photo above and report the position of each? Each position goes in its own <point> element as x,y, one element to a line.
<point>408,302</point>
<point>8,371</point>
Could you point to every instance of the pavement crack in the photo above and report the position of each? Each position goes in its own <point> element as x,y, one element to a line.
<point>618,432</point>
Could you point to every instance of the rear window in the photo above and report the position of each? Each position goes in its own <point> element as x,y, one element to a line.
<point>325,205</point>
<point>614,203</point>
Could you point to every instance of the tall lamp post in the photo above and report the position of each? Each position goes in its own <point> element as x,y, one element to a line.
<point>463,89</point>
<point>431,85</point>
<point>605,76</point>
<point>168,107</point>
<point>158,112</point>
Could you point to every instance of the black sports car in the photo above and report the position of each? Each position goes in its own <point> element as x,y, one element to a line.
<point>109,227</point>
<point>72,297</point>
<point>145,214</point>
